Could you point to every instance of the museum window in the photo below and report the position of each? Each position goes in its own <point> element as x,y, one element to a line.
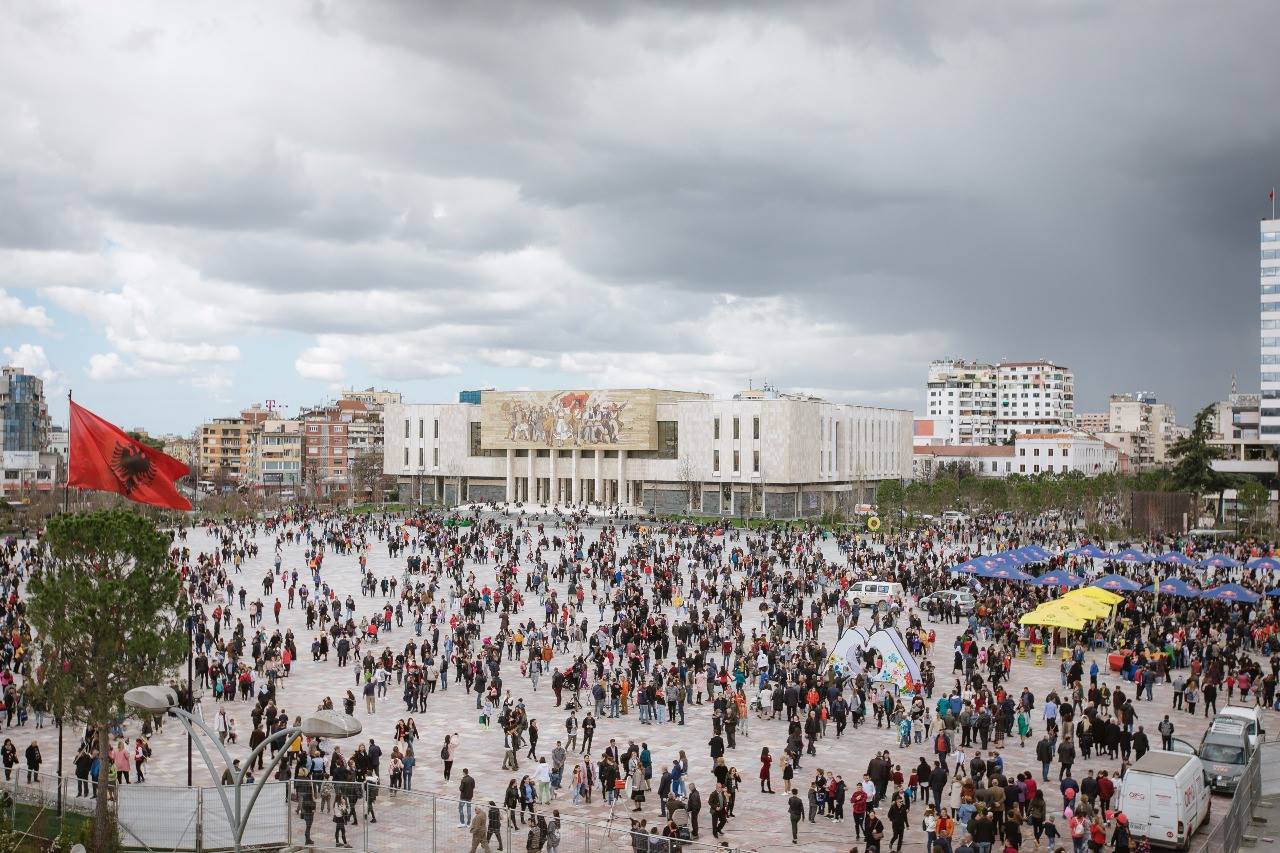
<point>406,457</point>
<point>735,462</point>
<point>406,427</point>
<point>715,431</point>
<point>476,450</point>
<point>755,460</point>
<point>715,461</point>
<point>735,433</point>
<point>420,428</point>
<point>435,456</point>
<point>668,440</point>
<point>435,428</point>
<point>755,428</point>
<point>421,457</point>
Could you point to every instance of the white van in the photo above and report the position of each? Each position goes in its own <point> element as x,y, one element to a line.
<point>876,593</point>
<point>1165,798</point>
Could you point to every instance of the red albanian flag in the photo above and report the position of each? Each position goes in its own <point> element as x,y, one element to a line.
<point>104,458</point>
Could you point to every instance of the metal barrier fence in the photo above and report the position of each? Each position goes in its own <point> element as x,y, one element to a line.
<point>388,820</point>
<point>29,810</point>
<point>177,819</point>
<point>1228,835</point>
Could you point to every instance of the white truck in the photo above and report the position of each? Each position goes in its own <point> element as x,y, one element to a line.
<point>1165,797</point>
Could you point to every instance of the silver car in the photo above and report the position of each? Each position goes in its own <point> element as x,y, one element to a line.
<point>949,596</point>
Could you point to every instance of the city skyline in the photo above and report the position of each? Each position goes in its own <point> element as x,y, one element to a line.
<point>429,199</point>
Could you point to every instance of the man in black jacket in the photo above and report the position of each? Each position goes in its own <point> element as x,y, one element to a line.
<point>795,810</point>
<point>938,783</point>
<point>1044,754</point>
<point>695,806</point>
<point>1067,756</point>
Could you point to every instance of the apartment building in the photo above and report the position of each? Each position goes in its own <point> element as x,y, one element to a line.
<point>277,456</point>
<point>1033,397</point>
<point>1094,422</point>
<point>24,411</point>
<point>962,402</point>
<point>227,447</point>
<point>326,465</point>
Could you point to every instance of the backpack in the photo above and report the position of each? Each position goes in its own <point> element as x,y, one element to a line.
<point>941,745</point>
<point>444,752</point>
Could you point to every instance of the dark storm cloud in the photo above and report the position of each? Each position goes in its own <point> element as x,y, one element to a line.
<point>592,180</point>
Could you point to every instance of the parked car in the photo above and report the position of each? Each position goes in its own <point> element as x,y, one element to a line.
<point>1225,750</point>
<point>948,596</point>
<point>1250,715</point>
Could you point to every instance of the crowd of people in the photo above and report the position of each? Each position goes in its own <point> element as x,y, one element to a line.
<point>729,633</point>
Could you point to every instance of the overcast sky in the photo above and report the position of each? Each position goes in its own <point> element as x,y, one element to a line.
<point>204,205</point>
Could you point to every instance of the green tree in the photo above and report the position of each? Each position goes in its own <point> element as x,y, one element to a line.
<point>1194,469</point>
<point>1254,498</point>
<point>890,496</point>
<point>108,615</point>
<point>143,438</point>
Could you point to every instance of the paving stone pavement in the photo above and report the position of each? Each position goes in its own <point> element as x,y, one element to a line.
<point>760,823</point>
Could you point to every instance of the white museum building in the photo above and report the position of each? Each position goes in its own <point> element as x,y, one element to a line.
<point>760,453</point>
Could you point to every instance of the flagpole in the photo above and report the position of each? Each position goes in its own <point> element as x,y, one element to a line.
<point>66,508</point>
<point>66,484</point>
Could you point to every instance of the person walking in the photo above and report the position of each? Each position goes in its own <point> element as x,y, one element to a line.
<point>795,810</point>
<point>466,790</point>
<point>480,831</point>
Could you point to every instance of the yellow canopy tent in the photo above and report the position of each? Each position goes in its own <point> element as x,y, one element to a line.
<point>1048,616</point>
<point>1096,593</point>
<point>1083,606</point>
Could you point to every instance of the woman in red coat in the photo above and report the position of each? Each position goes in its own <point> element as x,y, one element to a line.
<point>766,762</point>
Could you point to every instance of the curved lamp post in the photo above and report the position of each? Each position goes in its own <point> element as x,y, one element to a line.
<point>156,700</point>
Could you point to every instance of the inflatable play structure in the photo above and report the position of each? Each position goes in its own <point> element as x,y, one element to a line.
<point>857,652</point>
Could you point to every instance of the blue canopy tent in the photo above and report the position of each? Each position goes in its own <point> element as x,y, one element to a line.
<point>968,567</point>
<point>1264,564</point>
<point>1174,558</point>
<point>1174,586</point>
<point>1011,558</point>
<point>1130,555</point>
<point>1059,577</point>
<point>1003,573</point>
<point>1116,583</point>
<point>1275,592</point>
<point>1092,551</point>
<point>1230,592</point>
<point>1034,553</point>
<point>1219,561</point>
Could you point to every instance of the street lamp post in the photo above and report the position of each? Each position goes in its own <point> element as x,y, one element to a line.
<point>154,699</point>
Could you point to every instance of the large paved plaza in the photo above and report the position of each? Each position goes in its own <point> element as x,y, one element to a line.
<point>760,822</point>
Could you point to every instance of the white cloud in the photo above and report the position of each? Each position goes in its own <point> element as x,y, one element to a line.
<point>217,383</point>
<point>317,363</point>
<point>14,313</point>
<point>32,359</point>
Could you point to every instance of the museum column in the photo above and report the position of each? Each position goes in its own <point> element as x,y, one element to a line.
<point>552,481</point>
<point>531,490</point>
<point>624,488</point>
<point>598,490</point>
<point>511,475</point>
<point>577,484</point>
